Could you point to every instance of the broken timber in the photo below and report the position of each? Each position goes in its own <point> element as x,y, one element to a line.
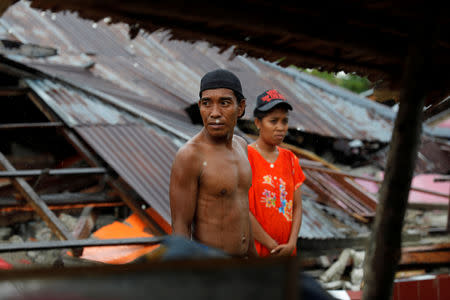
<point>31,125</point>
<point>52,172</point>
<point>28,246</point>
<point>36,202</point>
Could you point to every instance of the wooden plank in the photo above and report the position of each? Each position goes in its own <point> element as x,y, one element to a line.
<point>368,199</point>
<point>63,198</point>
<point>435,257</point>
<point>328,199</point>
<point>36,202</point>
<point>52,172</point>
<point>48,245</point>
<point>85,223</point>
<point>13,91</point>
<point>30,125</point>
<point>427,248</point>
<point>83,228</point>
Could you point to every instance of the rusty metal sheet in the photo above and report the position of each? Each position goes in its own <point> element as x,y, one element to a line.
<point>141,156</point>
<point>318,223</point>
<point>74,106</point>
<point>167,73</point>
<point>171,115</point>
<point>336,194</point>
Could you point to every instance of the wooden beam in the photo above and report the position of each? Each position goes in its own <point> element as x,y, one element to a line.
<point>85,223</point>
<point>13,91</point>
<point>384,251</point>
<point>52,172</point>
<point>63,199</point>
<point>428,248</point>
<point>36,202</point>
<point>28,246</point>
<point>30,125</point>
<point>368,199</point>
<point>83,228</point>
<point>435,257</point>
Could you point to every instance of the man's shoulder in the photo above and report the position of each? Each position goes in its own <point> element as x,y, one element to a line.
<point>192,150</point>
<point>240,140</point>
<point>189,150</point>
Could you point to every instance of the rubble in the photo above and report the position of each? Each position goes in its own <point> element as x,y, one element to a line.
<point>333,278</point>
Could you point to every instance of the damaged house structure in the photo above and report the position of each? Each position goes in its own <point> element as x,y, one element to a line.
<point>93,119</point>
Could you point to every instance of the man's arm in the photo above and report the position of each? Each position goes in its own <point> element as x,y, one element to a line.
<point>251,244</point>
<point>183,191</point>
<point>287,249</point>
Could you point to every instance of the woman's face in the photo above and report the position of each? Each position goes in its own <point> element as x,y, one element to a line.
<point>274,126</point>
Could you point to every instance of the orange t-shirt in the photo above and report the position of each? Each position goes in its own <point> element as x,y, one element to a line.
<point>272,193</point>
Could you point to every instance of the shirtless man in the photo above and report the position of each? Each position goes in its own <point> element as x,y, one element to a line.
<point>211,174</point>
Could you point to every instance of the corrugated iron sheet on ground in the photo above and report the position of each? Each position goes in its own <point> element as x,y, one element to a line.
<point>322,222</point>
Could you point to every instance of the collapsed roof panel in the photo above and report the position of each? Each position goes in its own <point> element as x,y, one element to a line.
<point>140,156</point>
<point>167,73</point>
<point>75,107</point>
<point>84,79</point>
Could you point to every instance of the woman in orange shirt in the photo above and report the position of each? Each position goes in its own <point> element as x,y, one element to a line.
<point>274,198</point>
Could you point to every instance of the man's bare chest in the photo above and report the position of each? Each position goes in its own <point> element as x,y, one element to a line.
<point>224,176</point>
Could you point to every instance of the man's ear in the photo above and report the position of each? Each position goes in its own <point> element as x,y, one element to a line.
<point>241,108</point>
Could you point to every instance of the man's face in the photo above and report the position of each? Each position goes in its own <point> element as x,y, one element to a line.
<point>220,110</point>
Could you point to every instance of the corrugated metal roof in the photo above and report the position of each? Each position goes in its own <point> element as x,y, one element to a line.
<point>142,157</point>
<point>337,194</point>
<point>138,153</point>
<point>321,222</point>
<point>82,78</point>
<point>168,72</point>
<point>75,107</point>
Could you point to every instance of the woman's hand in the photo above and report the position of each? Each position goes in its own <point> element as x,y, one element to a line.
<point>283,250</point>
<point>273,245</point>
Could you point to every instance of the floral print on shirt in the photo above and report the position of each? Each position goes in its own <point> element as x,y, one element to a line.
<point>269,198</point>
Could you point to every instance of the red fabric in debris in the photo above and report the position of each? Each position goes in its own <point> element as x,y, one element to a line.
<point>4,265</point>
<point>132,227</point>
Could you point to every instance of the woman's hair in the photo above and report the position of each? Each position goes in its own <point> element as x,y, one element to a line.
<point>261,114</point>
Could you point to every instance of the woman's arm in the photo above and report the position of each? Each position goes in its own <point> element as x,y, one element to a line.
<point>296,217</point>
<point>261,235</point>
<point>288,248</point>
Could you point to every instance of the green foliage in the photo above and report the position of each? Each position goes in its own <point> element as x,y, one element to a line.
<point>351,82</point>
